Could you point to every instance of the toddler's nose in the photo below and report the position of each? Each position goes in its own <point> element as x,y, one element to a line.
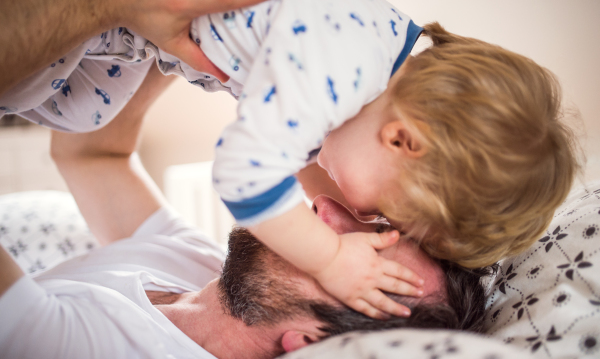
<point>338,217</point>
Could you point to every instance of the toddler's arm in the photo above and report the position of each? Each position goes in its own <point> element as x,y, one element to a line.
<point>347,266</point>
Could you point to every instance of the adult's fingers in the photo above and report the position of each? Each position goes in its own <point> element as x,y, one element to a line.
<point>190,53</point>
<point>383,240</point>
<point>381,302</point>
<point>210,6</point>
<point>397,270</point>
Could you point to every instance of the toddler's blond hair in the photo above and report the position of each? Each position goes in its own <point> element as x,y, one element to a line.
<point>498,161</point>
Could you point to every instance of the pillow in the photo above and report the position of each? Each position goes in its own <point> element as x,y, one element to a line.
<point>409,343</point>
<point>547,300</point>
<point>41,229</point>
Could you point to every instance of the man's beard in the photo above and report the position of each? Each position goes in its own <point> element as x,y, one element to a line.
<point>257,288</point>
<point>255,285</point>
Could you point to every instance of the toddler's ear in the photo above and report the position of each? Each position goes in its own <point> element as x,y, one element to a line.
<point>397,137</point>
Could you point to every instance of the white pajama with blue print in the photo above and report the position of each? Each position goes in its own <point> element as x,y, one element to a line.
<point>299,68</point>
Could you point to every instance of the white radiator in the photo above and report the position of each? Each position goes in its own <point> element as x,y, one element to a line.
<point>189,190</point>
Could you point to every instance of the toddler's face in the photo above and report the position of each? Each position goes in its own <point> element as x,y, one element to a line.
<point>356,157</point>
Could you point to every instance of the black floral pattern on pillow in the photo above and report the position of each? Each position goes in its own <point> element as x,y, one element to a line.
<point>42,229</point>
<point>547,300</point>
<point>413,344</point>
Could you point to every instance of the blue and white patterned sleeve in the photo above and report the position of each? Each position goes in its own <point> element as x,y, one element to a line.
<point>319,63</point>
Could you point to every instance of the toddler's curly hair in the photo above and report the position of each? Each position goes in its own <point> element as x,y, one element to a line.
<point>498,159</point>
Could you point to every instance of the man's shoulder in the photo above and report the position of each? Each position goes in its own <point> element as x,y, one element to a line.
<point>164,246</point>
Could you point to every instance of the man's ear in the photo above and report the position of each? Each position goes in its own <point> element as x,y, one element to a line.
<point>294,340</point>
<point>397,137</point>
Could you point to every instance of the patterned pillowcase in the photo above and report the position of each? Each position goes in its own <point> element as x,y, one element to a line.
<point>409,343</point>
<point>547,300</point>
<point>41,229</point>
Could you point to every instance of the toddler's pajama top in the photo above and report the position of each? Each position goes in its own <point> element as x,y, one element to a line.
<point>299,68</point>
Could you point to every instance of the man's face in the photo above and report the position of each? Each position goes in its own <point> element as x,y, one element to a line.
<point>259,287</point>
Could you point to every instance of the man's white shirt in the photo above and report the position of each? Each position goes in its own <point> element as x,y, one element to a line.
<point>95,306</point>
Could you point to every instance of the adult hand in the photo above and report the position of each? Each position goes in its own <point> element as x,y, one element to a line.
<point>167,24</point>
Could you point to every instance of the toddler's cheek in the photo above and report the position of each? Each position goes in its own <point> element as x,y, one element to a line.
<point>358,205</point>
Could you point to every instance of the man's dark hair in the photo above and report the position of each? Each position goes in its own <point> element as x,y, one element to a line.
<point>253,288</point>
<point>463,308</point>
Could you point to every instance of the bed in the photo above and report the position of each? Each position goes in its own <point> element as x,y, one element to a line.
<point>544,303</point>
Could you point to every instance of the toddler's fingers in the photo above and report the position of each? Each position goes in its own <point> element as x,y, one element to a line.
<point>383,240</point>
<point>397,270</point>
<point>362,306</point>
<point>381,302</point>
<point>393,285</point>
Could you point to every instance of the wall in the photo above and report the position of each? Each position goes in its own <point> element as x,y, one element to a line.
<point>25,163</point>
<point>183,126</point>
<point>563,36</point>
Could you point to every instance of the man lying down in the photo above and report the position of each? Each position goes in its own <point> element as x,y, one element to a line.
<point>154,289</point>
<point>153,294</point>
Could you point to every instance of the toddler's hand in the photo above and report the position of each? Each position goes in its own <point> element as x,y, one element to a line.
<point>357,275</point>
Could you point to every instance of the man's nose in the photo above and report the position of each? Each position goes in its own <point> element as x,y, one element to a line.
<point>338,217</point>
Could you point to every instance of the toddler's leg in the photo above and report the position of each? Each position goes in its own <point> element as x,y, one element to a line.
<point>92,96</point>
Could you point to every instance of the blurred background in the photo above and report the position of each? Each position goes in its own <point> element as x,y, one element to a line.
<point>184,123</point>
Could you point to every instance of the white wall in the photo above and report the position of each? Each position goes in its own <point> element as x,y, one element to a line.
<point>562,35</point>
<point>183,126</point>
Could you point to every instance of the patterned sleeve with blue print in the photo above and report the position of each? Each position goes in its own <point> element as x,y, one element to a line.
<point>315,65</point>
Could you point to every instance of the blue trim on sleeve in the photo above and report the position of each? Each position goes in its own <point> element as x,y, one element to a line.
<point>412,34</point>
<point>252,206</point>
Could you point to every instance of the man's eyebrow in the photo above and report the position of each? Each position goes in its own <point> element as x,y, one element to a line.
<point>382,220</point>
<point>381,227</point>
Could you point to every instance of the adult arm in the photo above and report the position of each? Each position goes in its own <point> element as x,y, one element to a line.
<point>9,271</point>
<point>34,33</point>
<point>113,191</point>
